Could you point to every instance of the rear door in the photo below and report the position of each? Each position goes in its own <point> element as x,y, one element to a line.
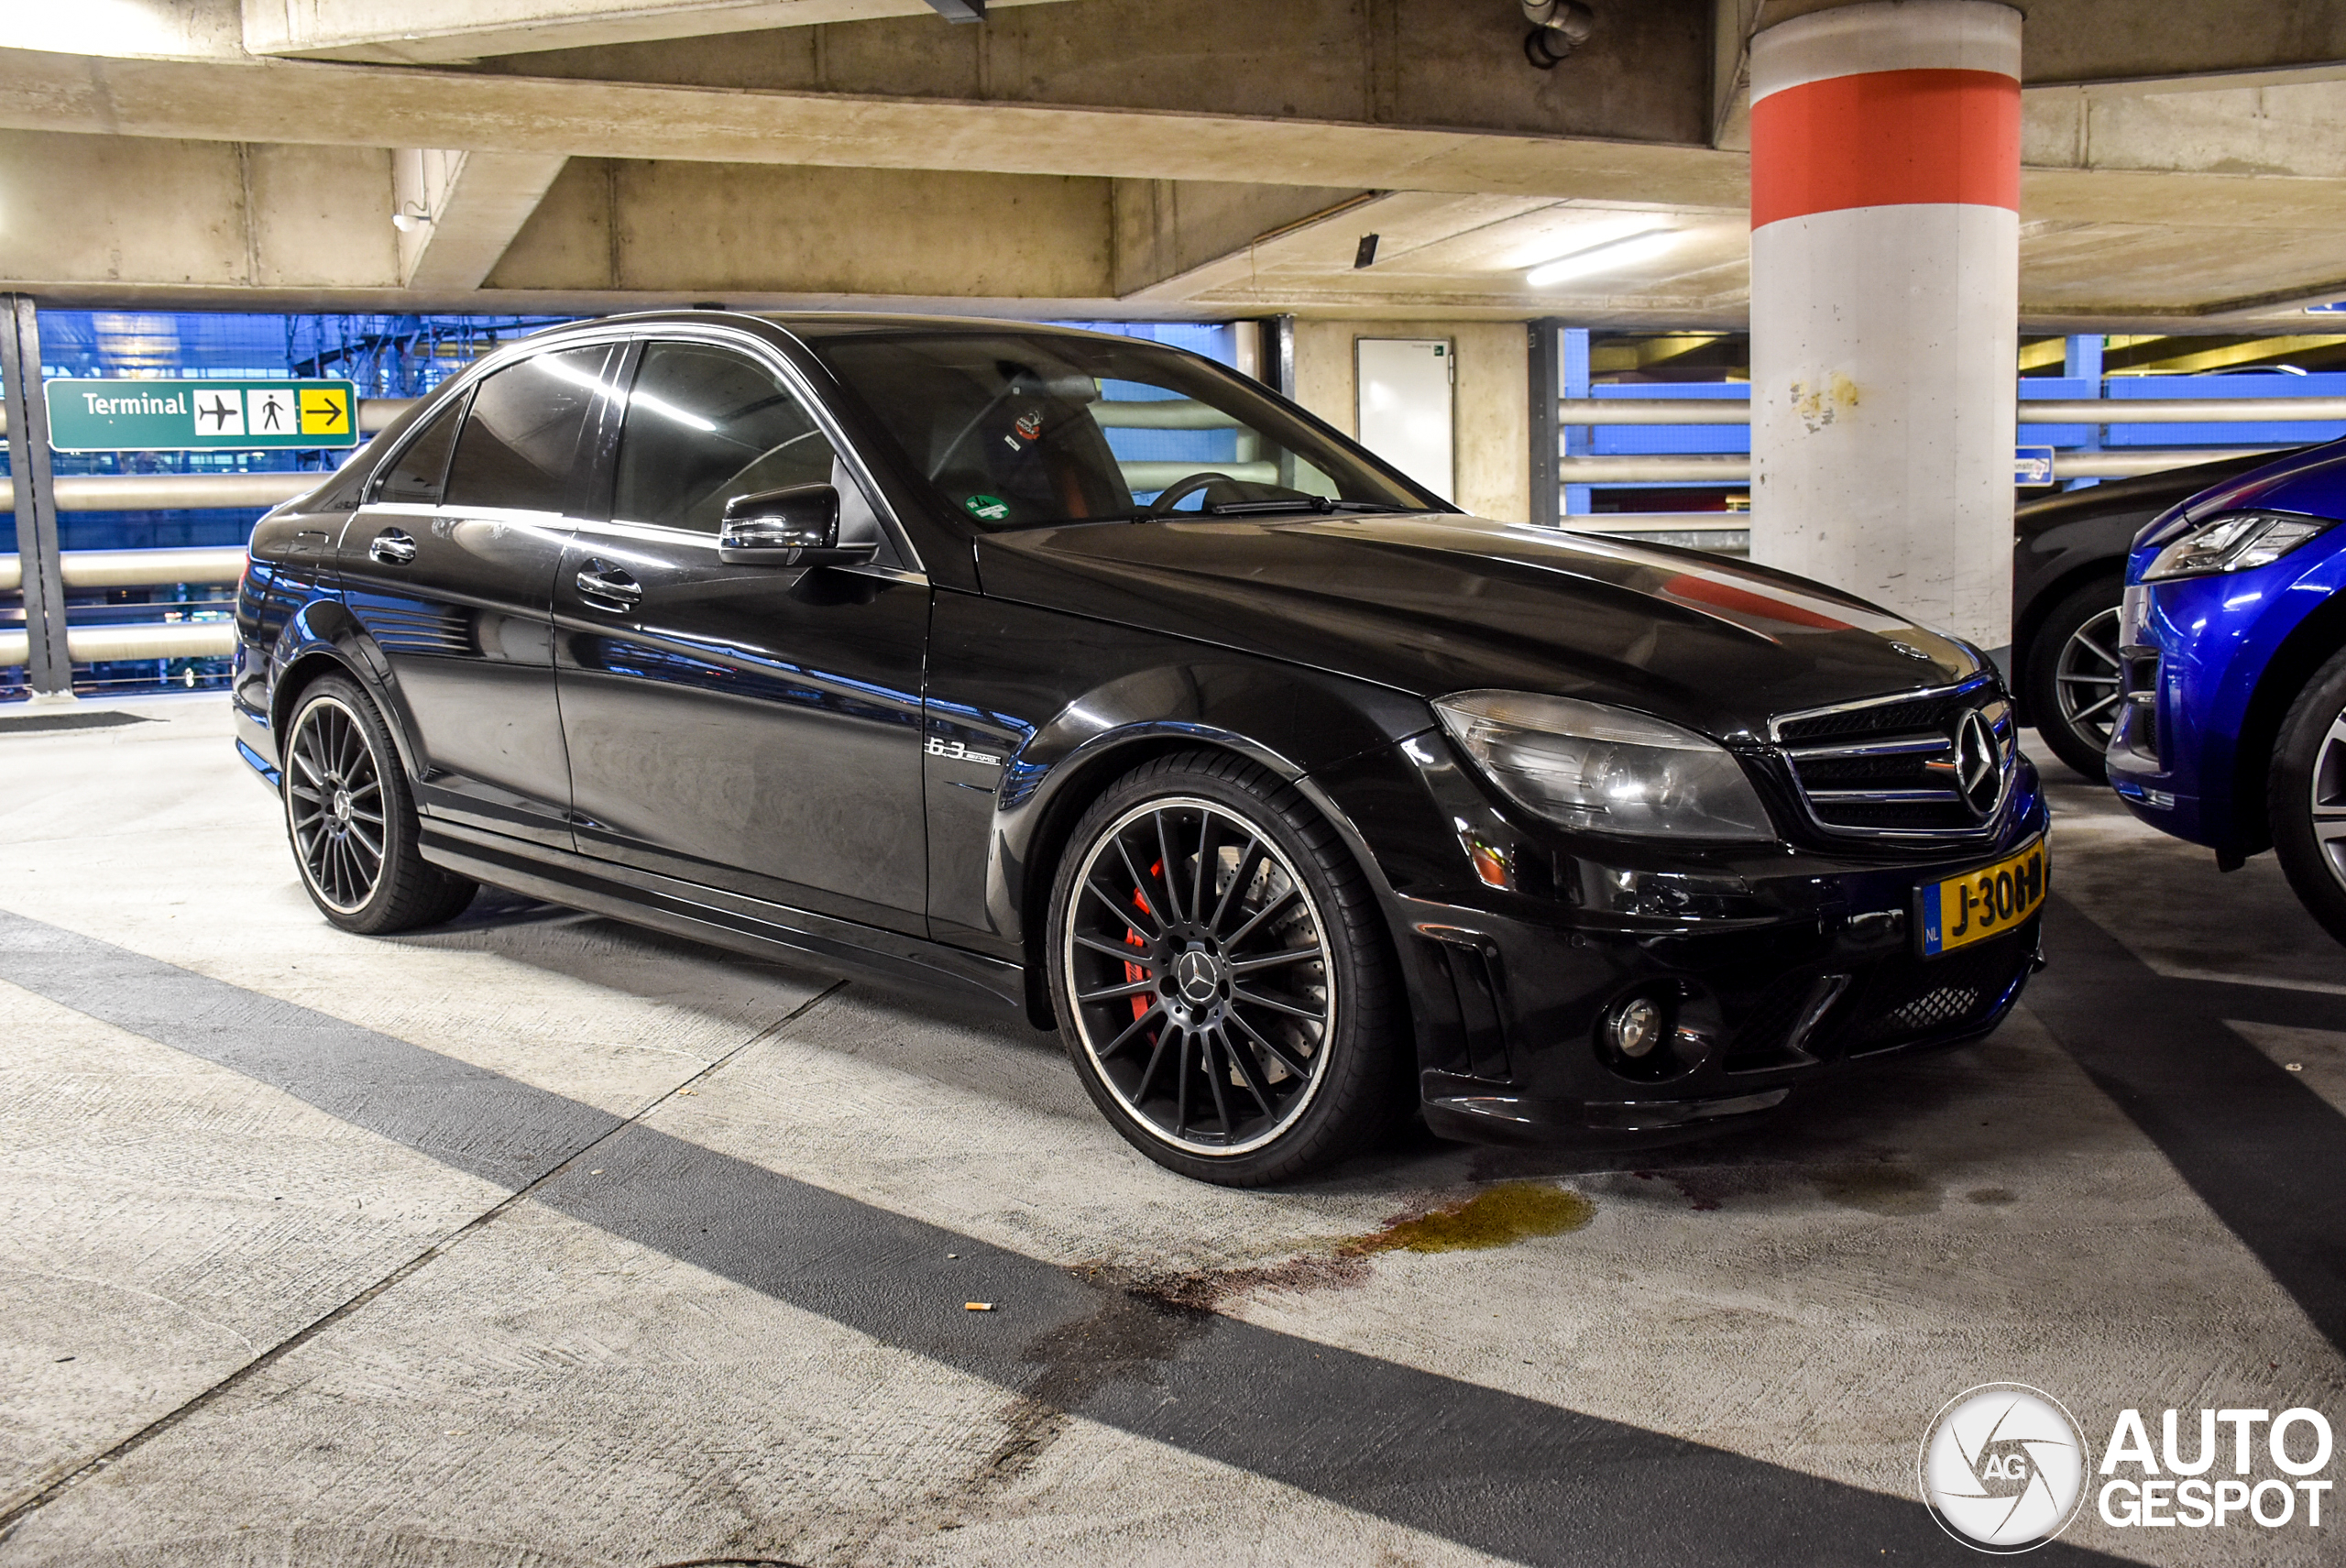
<point>450,567</point>
<point>753,727</point>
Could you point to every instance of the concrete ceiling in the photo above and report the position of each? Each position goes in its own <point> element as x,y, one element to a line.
<point>1088,157</point>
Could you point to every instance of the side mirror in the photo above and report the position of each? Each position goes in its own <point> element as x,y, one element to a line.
<point>794,527</point>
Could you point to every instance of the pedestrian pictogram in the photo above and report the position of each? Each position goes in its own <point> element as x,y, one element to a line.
<point>270,411</point>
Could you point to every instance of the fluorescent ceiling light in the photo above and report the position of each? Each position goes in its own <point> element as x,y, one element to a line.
<point>1629,248</point>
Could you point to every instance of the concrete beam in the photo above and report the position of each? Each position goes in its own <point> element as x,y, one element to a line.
<point>464,210</point>
<point>435,32</point>
<point>140,211</point>
<point>296,101</point>
<point>2186,43</point>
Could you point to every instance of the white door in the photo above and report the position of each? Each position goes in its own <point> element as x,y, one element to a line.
<point>1405,406</point>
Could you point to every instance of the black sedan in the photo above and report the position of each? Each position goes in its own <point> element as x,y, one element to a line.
<point>1085,674</point>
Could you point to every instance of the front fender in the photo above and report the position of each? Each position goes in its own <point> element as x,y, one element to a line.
<point>1291,721</point>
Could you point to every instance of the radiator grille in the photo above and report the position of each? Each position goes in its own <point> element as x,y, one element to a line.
<point>1913,764</point>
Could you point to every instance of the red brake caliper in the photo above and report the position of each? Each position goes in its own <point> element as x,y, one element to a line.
<point>1134,973</point>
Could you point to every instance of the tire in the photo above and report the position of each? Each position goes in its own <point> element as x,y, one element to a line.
<point>350,818</point>
<point>2073,674</point>
<point>2306,796</point>
<point>1236,1075</point>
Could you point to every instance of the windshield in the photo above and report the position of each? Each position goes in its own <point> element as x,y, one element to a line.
<point>1023,429</point>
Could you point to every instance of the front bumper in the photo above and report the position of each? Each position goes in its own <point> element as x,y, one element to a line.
<point>1779,966</point>
<point>1781,1012</point>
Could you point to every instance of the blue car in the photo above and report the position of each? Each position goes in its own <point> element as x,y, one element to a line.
<point>2232,731</point>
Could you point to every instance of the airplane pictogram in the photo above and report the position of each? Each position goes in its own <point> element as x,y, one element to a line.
<point>220,411</point>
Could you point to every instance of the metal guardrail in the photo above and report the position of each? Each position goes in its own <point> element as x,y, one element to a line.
<point>169,492</point>
<point>157,640</point>
<point>1691,468</point>
<point>2047,411</point>
<point>1698,469</point>
<point>135,568</point>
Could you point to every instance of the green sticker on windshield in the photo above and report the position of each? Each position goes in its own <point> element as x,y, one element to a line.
<point>991,509</point>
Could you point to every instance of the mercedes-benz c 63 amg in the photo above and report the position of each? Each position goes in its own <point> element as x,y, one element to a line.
<point>1086,674</point>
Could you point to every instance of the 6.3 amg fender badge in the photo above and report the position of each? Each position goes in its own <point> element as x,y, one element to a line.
<point>954,751</point>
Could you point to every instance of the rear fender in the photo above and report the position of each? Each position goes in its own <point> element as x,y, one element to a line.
<point>324,636</point>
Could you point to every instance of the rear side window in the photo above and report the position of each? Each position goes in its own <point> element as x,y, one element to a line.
<point>705,425</point>
<point>522,441</point>
<point>414,476</point>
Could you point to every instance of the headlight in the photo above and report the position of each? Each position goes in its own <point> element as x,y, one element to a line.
<point>2235,541</point>
<point>1586,765</point>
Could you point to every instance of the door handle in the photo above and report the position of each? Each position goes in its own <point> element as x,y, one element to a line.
<point>392,548</point>
<point>606,587</point>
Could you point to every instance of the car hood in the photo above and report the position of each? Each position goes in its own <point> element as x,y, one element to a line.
<point>1437,604</point>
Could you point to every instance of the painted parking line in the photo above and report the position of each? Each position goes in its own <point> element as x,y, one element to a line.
<point>2258,1146</point>
<point>1505,1474</point>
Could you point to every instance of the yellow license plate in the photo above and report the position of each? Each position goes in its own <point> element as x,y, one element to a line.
<point>1983,904</point>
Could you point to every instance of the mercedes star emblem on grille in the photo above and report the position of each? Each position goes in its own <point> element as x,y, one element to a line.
<point>1975,763</point>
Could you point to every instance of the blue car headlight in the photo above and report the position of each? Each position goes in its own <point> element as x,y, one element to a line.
<point>1583,764</point>
<point>2234,541</point>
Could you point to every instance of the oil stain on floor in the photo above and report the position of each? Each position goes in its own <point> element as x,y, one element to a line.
<point>1511,1213</point>
<point>1498,1216</point>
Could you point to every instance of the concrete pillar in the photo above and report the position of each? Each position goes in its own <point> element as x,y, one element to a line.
<point>48,668</point>
<point>1885,304</point>
<point>1546,348</point>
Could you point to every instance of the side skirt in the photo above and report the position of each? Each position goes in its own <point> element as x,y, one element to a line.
<point>722,920</point>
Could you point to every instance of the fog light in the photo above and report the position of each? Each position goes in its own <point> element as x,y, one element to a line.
<point>1636,1026</point>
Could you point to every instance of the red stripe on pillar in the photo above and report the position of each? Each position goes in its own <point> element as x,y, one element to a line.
<point>1884,138</point>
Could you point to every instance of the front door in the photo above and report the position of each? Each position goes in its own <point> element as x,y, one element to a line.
<point>450,568</point>
<point>753,727</point>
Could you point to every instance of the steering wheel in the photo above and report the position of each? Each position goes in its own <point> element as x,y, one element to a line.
<point>1182,488</point>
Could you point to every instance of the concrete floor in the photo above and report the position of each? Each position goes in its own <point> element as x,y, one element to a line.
<point>540,1240</point>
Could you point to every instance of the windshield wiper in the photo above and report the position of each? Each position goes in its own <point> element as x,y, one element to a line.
<point>1318,505</point>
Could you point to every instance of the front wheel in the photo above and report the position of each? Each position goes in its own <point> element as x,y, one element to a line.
<point>2073,673</point>
<point>352,819</point>
<point>1220,974</point>
<point>2307,796</point>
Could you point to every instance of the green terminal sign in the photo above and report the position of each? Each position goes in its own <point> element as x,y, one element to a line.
<point>96,415</point>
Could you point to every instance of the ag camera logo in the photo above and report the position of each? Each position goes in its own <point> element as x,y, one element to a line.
<point>2004,1467</point>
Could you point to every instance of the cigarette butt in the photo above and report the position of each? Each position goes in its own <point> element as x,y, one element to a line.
<point>977,1306</point>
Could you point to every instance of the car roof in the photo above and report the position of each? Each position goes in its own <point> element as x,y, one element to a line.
<point>814,325</point>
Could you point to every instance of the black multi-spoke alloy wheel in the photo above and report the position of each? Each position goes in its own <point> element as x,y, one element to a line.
<point>2307,795</point>
<point>352,820</point>
<point>2073,676</point>
<point>1222,975</point>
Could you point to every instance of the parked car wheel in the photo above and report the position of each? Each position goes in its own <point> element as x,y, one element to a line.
<point>2308,796</point>
<point>352,820</point>
<point>1221,975</point>
<point>2073,674</point>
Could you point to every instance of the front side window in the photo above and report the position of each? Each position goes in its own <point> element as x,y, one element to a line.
<point>1018,430</point>
<point>523,440</point>
<point>703,425</point>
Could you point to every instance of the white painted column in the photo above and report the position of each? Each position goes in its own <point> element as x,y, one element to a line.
<point>1885,304</point>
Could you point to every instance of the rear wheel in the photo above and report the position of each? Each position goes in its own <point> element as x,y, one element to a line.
<point>1220,971</point>
<point>2073,672</point>
<point>352,822</point>
<point>2307,795</point>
